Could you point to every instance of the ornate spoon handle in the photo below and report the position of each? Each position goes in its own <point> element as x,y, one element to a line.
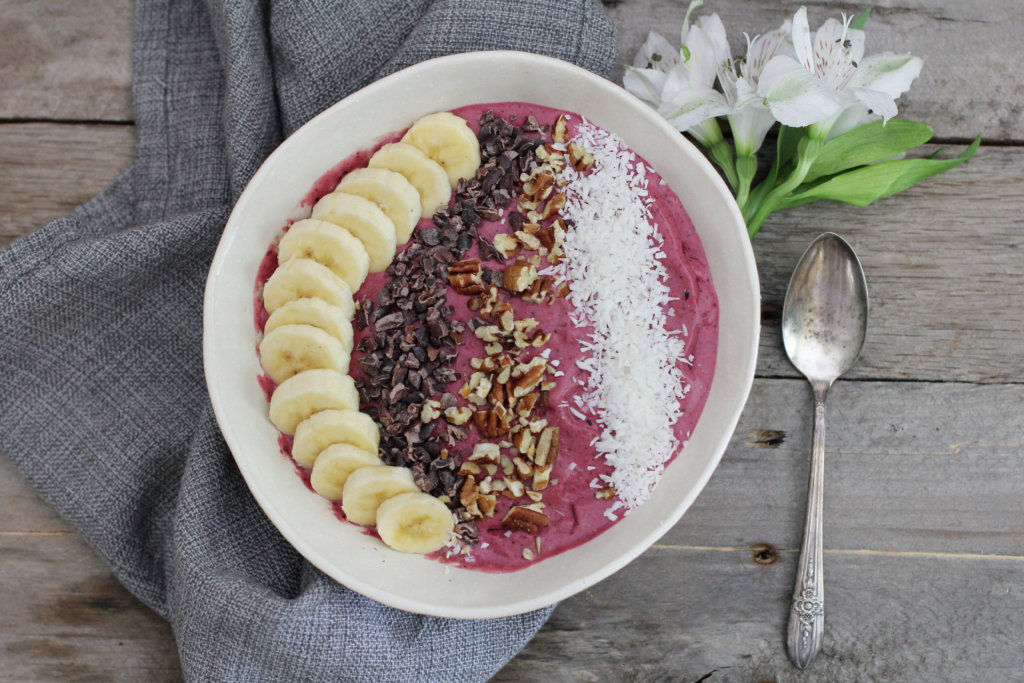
<point>806,613</point>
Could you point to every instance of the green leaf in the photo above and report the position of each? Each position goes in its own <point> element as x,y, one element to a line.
<point>789,139</point>
<point>864,185</point>
<point>861,19</point>
<point>867,144</point>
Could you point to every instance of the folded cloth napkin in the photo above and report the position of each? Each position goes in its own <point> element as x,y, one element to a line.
<point>103,405</point>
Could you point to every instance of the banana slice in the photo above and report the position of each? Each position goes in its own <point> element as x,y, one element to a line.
<point>303,277</point>
<point>448,140</point>
<point>315,312</point>
<point>329,244</point>
<point>414,523</point>
<point>368,487</point>
<point>365,220</point>
<point>309,392</point>
<point>332,469</point>
<point>395,196</point>
<point>427,176</point>
<point>290,349</point>
<point>328,427</point>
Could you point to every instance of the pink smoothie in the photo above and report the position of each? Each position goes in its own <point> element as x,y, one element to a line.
<point>576,514</point>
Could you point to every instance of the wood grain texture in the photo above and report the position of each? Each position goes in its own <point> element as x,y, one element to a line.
<point>923,480</point>
<point>66,618</point>
<point>964,90</point>
<point>66,60</point>
<point>696,614</point>
<point>48,169</point>
<point>942,259</point>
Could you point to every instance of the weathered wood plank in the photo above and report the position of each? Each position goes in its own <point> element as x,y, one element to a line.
<point>943,264</point>
<point>964,90</point>
<point>921,479</point>
<point>65,618</point>
<point>942,258</point>
<point>693,614</point>
<point>910,466</point>
<point>66,60</point>
<point>73,60</point>
<point>48,169</point>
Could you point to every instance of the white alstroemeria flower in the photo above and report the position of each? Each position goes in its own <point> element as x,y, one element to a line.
<point>646,78</point>
<point>836,59</point>
<point>681,86</point>
<point>750,118</point>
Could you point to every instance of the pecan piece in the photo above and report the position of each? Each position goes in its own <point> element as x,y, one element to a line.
<point>468,494</point>
<point>547,447</point>
<point>464,277</point>
<point>489,424</point>
<point>520,518</point>
<point>560,131</point>
<point>519,276</point>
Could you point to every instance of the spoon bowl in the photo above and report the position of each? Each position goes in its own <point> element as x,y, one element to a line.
<point>824,322</point>
<point>825,315</point>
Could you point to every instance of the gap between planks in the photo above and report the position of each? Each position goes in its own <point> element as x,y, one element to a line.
<point>847,551</point>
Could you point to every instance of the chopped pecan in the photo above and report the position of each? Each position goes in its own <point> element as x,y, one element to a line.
<point>431,411</point>
<point>547,447</point>
<point>489,424</point>
<point>458,416</point>
<point>519,276</point>
<point>580,158</point>
<point>560,131</point>
<point>526,403</point>
<point>605,493</point>
<point>464,277</point>
<point>524,443</point>
<point>521,518</point>
<point>487,503</point>
<point>506,245</point>
<point>468,468</point>
<point>468,494</point>
<point>529,381</point>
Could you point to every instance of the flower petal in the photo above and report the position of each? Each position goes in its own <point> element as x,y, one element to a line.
<point>656,53</point>
<point>701,62</point>
<point>749,126</point>
<point>715,31</point>
<point>762,48</point>
<point>802,39</point>
<point>887,72</point>
<point>794,95</point>
<point>647,84</point>
<point>852,117</point>
<point>833,48</point>
<point>875,100</point>
<point>690,106</point>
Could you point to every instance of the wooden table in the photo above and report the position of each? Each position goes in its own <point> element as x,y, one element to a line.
<point>924,525</point>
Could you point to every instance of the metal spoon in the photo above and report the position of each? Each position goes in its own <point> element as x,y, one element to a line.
<point>824,320</point>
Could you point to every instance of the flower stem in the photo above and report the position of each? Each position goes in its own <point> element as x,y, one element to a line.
<point>746,167</point>
<point>720,152</point>
<point>807,151</point>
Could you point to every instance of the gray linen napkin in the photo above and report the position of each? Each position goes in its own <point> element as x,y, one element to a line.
<point>103,406</point>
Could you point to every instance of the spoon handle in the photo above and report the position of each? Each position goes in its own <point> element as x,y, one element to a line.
<point>806,612</point>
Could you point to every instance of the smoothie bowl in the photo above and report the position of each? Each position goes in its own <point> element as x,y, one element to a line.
<point>479,334</point>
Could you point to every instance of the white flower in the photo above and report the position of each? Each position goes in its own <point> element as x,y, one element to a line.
<point>834,74</point>
<point>680,84</point>
<point>749,116</point>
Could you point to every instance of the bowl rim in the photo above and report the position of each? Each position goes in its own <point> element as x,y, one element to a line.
<point>219,401</point>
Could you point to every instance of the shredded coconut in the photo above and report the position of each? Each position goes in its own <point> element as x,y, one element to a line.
<point>613,262</point>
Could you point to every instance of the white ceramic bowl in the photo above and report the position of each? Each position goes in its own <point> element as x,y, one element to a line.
<point>412,582</point>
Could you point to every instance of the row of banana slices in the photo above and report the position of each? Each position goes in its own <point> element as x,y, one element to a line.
<point>308,337</point>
